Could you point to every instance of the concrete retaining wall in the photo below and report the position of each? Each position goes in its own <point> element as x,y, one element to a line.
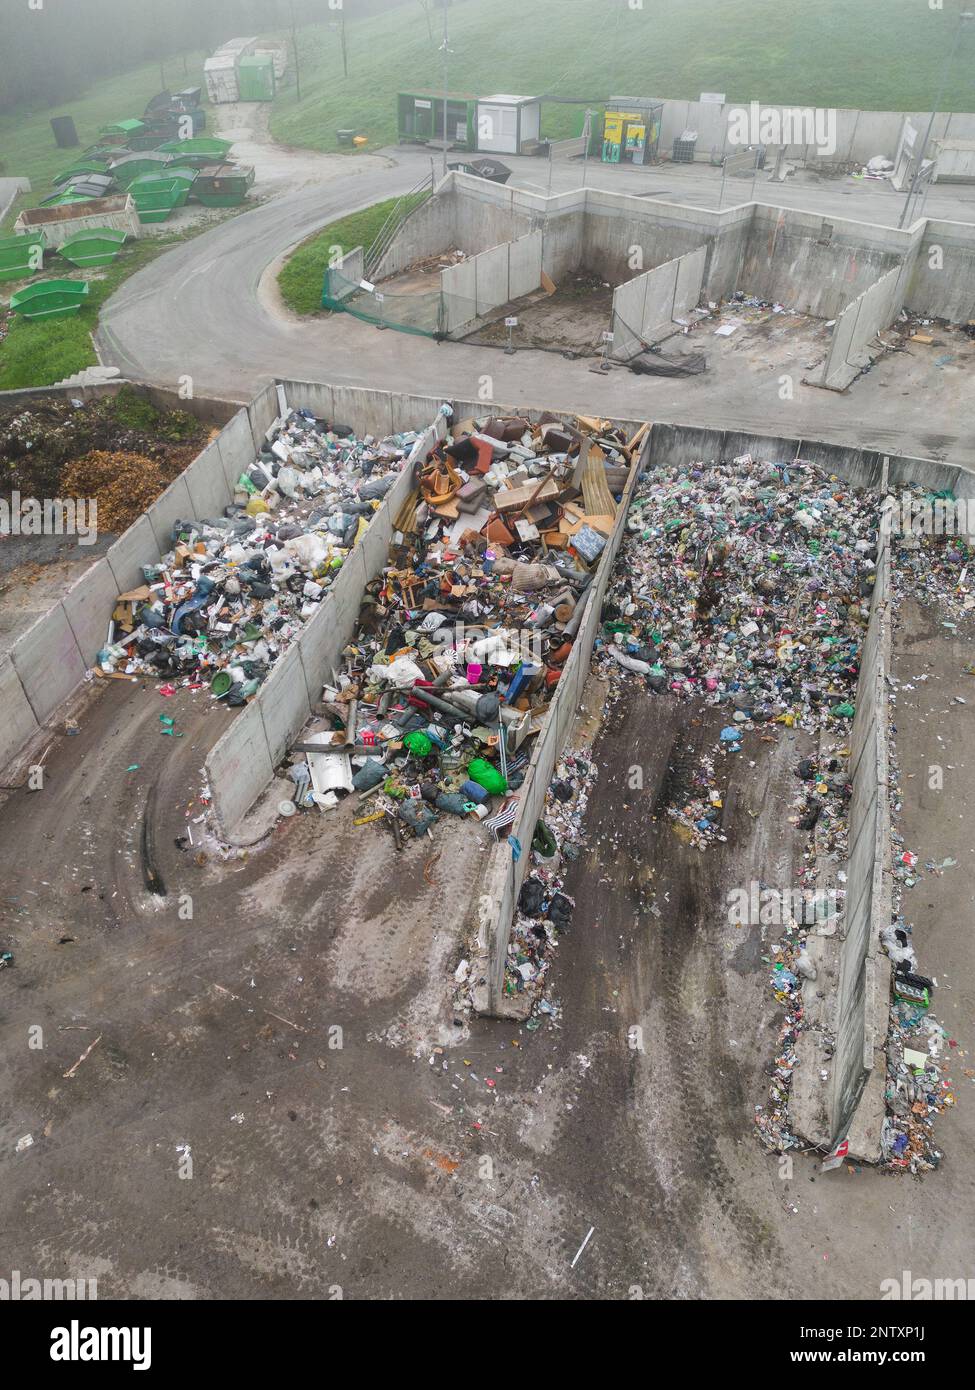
<point>644,309</point>
<point>943,282</point>
<point>859,134</point>
<point>812,264</point>
<point>483,283</point>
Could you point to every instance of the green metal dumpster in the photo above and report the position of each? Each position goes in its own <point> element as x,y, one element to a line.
<point>17,259</point>
<point>209,145</point>
<point>50,299</point>
<point>133,166</point>
<point>121,132</point>
<point>156,196</point>
<point>222,185</point>
<point>96,246</point>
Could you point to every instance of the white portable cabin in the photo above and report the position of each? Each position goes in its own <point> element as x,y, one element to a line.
<point>220,70</point>
<point>505,122</point>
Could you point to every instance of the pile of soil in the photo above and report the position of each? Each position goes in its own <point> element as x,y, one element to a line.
<point>39,442</point>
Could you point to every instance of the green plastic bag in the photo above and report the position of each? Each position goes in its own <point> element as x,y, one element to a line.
<point>418,742</point>
<point>486,776</point>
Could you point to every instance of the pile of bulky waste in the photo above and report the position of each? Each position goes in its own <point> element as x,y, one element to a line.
<point>464,635</point>
<point>235,590</point>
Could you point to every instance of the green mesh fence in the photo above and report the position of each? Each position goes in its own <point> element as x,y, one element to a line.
<point>429,315</point>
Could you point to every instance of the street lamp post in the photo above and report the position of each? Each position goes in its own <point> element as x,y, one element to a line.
<point>963,19</point>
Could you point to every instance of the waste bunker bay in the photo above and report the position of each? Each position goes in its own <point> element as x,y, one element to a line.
<point>488,852</point>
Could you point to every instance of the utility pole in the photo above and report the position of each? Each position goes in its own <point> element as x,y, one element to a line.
<point>294,45</point>
<point>963,19</point>
<point>446,54</point>
<point>345,56</point>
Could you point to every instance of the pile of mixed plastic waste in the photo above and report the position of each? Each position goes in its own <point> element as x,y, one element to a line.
<point>234,592</point>
<point>464,636</point>
<point>934,549</point>
<point>747,585</point>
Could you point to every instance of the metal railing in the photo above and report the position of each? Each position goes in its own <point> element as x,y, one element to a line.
<point>400,211</point>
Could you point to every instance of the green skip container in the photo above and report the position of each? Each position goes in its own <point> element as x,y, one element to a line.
<point>96,246</point>
<point>50,299</point>
<point>156,196</point>
<point>209,146</point>
<point>17,260</point>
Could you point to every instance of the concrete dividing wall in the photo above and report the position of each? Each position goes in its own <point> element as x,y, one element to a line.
<point>850,349</point>
<point>49,662</point>
<point>863,991</point>
<point>19,723</point>
<point>644,309</point>
<point>483,283</point>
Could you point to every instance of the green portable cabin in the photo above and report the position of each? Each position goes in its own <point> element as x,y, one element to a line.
<point>50,299</point>
<point>156,196</point>
<point>420,119</point>
<point>208,146</point>
<point>17,259</point>
<point>255,77</point>
<point>96,246</point>
<point>222,185</point>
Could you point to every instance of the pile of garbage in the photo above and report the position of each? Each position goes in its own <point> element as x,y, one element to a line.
<point>917,1089</point>
<point>231,596</point>
<point>933,549</point>
<point>746,585</point>
<point>464,636</point>
<point>545,910</point>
